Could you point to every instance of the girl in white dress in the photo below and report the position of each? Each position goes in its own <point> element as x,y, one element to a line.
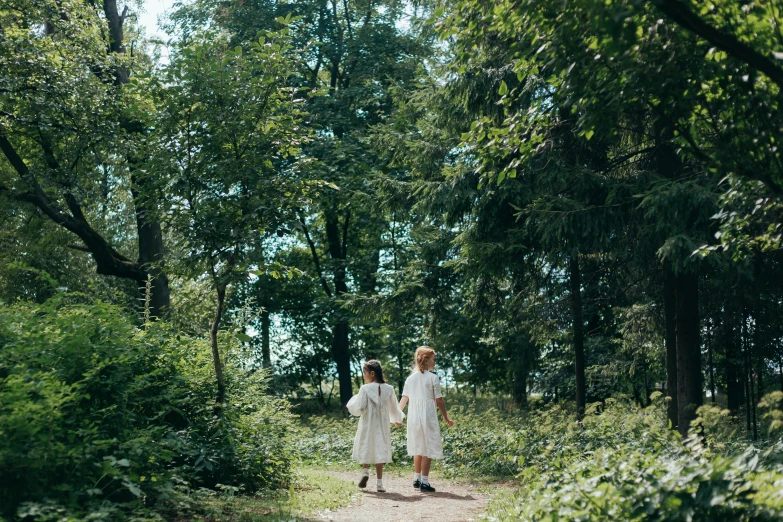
<point>422,389</point>
<point>376,405</point>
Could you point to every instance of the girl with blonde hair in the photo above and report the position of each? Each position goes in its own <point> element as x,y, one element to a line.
<point>422,390</point>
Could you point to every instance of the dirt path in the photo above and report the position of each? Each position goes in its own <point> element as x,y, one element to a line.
<point>451,502</point>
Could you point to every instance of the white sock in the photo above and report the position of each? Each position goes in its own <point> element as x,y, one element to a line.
<point>380,482</point>
<point>365,472</point>
<point>425,479</point>
<point>417,476</point>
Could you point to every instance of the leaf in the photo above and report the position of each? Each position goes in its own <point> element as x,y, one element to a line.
<point>244,338</point>
<point>503,90</point>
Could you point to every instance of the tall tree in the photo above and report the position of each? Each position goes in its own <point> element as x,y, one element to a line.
<point>351,57</point>
<point>68,118</point>
<point>233,129</point>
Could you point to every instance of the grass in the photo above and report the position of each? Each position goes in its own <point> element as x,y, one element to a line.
<point>315,491</point>
<point>502,501</point>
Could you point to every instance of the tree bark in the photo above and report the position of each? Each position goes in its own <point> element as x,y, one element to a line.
<point>150,237</point>
<point>710,364</point>
<point>734,390</point>
<point>578,334</point>
<point>341,350</point>
<point>780,371</point>
<point>213,336</point>
<point>521,369</point>
<point>266,353</point>
<point>670,339</point>
<point>689,379</point>
<point>342,356</point>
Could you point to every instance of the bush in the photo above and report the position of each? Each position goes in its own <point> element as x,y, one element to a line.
<point>622,463</point>
<point>99,417</point>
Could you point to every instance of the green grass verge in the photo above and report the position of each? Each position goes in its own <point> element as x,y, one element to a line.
<point>314,491</point>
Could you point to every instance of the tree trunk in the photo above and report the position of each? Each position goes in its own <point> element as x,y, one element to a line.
<point>150,238</point>
<point>670,339</point>
<point>401,359</point>
<point>780,370</point>
<point>342,357</point>
<point>760,363</point>
<point>689,385</point>
<point>341,350</point>
<point>752,400</point>
<point>266,353</point>
<point>521,358</point>
<point>578,334</point>
<point>734,390</point>
<point>710,337</point>
<point>646,383</point>
<point>213,336</point>
<point>746,369</point>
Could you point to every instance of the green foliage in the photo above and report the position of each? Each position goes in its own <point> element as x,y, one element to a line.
<point>622,463</point>
<point>99,417</point>
<point>773,406</point>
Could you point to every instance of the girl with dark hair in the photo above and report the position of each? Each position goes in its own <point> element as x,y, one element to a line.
<point>377,407</point>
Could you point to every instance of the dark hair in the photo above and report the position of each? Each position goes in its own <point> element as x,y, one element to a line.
<point>374,366</point>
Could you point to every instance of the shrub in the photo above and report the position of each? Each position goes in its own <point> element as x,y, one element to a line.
<point>622,463</point>
<point>99,417</point>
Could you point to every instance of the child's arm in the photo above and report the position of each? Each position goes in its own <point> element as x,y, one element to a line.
<point>442,407</point>
<point>357,404</point>
<point>439,400</point>
<point>395,413</point>
<point>403,402</point>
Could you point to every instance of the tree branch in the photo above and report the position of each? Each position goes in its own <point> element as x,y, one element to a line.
<point>314,252</point>
<point>108,261</point>
<point>345,234</point>
<point>53,164</point>
<point>685,17</point>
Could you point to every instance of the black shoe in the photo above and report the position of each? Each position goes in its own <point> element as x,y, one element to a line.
<point>427,487</point>
<point>417,484</point>
<point>363,481</point>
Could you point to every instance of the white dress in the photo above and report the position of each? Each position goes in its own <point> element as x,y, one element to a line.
<point>422,388</point>
<point>377,406</point>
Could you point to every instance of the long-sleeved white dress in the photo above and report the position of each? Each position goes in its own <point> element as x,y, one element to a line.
<point>377,408</point>
<point>422,388</point>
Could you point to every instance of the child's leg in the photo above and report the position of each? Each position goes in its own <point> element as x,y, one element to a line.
<point>365,475</point>
<point>417,463</point>
<point>379,474</point>
<point>425,470</point>
<point>425,466</point>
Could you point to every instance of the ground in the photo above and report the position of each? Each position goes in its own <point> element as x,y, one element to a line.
<point>333,495</point>
<point>453,501</point>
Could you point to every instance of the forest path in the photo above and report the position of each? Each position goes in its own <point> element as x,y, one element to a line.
<point>451,502</point>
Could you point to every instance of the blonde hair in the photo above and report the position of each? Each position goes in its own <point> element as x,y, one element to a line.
<point>423,353</point>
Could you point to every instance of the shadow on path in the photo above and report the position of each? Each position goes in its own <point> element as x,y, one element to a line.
<point>453,502</point>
